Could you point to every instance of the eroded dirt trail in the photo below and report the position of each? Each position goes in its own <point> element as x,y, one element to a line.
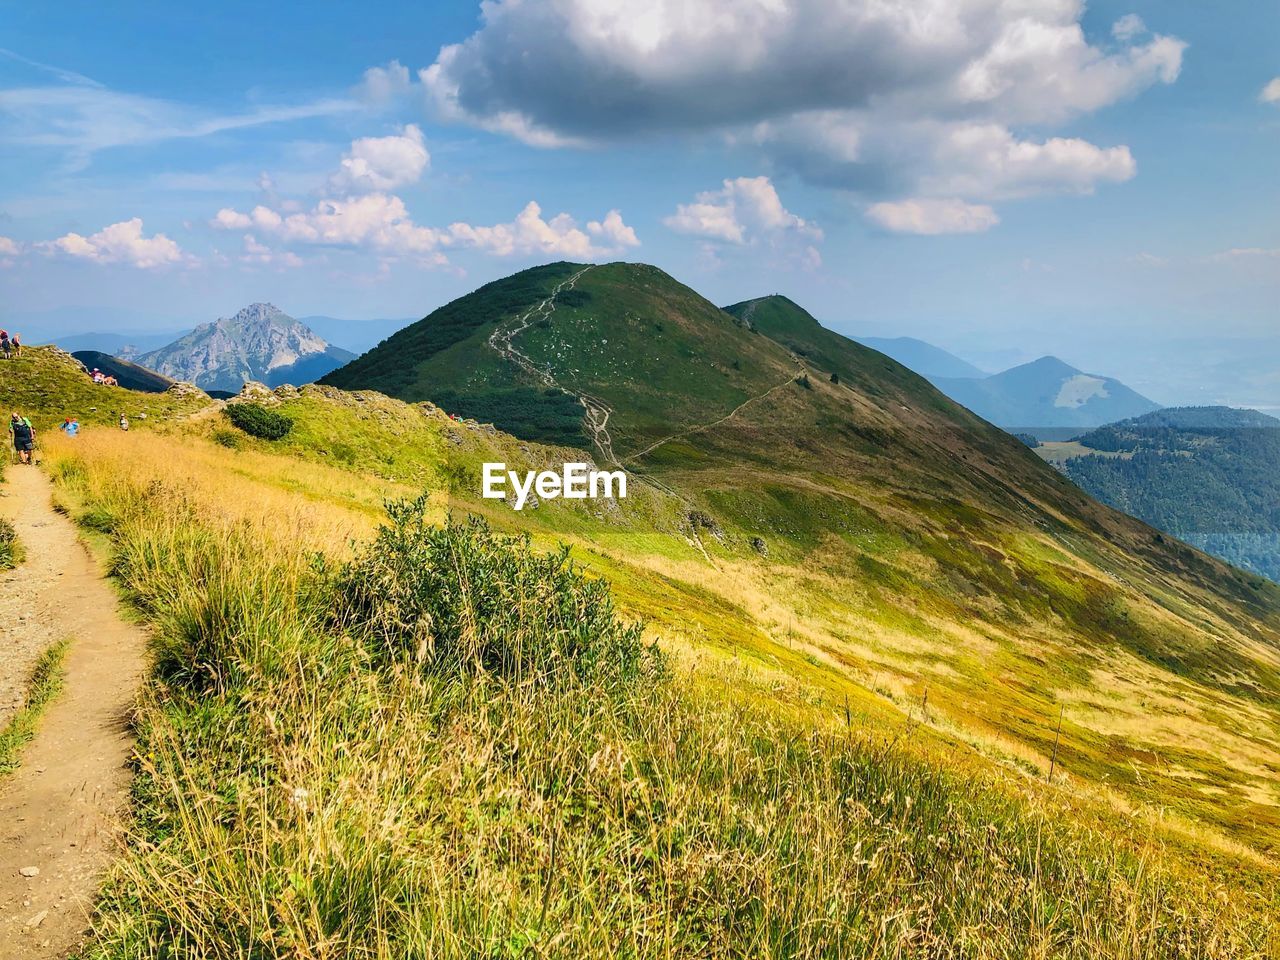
<point>59,812</point>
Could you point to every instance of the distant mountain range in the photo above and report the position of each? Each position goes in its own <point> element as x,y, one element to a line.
<point>1046,393</point>
<point>1207,475</point>
<point>261,343</point>
<point>124,345</point>
<point>924,358</point>
<point>354,335</point>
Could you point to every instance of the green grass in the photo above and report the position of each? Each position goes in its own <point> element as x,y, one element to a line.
<point>424,752</point>
<point>46,682</point>
<point>48,385</point>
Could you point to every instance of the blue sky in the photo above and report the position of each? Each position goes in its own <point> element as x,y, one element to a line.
<point>1004,178</point>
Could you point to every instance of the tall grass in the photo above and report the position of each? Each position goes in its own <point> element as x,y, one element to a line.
<point>447,746</point>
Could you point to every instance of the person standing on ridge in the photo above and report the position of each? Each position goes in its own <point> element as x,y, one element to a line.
<point>70,426</point>
<point>24,436</point>
<point>17,346</point>
<point>124,422</point>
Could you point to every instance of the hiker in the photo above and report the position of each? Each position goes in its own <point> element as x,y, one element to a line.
<point>70,426</point>
<point>24,436</point>
<point>5,343</point>
<point>124,422</point>
<point>97,376</point>
<point>17,345</point>
<point>110,381</point>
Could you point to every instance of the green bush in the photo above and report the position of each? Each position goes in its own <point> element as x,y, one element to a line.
<point>461,598</point>
<point>257,421</point>
<point>227,438</point>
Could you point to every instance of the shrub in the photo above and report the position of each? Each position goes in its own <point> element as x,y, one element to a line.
<point>257,421</point>
<point>227,438</point>
<point>461,598</point>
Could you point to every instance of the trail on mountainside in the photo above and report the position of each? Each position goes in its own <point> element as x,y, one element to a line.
<point>60,809</point>
<point>702,428</point>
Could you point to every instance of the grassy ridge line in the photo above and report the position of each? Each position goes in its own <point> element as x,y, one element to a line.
<point>311,791</point>
<point>46,681</point>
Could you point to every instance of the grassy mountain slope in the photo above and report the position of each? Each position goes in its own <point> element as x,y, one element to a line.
<point>921,579</point>
<point>47,384</point>
<point>130,375</point>
<point>910,545</point>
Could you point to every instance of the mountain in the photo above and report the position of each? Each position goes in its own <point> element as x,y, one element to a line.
<point>1046,393</point>
<point>130,375</point>
<point>356,336</point>
<point>924,358</point>
<point>1207,475</point>
<point>261,343</point>
<point>836,515</point>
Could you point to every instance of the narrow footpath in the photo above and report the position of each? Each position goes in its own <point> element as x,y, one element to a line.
<point>60,811</point>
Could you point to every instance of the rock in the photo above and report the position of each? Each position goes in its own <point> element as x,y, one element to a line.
<point>30,871</point>
<point>38,919</point>
<point>185,389</point>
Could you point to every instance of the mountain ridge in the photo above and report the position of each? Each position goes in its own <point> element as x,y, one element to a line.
<point>260,342</point>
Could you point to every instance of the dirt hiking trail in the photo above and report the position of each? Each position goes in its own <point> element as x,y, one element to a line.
<point>60,811</point>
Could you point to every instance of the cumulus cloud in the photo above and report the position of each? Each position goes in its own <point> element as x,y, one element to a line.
<point>382,163</point>
<point>918,98</point>
<point>613,231</point>
<point>9,248</point>
<point>120,243</point>
<point>743,209</point>
<point>383,85</point>
<point>932,216</point>
<point>381,223</point>
<point>1271,92</point>
<point>1128,27</point>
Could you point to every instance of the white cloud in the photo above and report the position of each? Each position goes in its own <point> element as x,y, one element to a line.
<point>828,90</point>
<point>932,216</point>
<point>559,236</point>
<point>81,120</point>
<point>9,248</point>
<point>1128,27</point>
<point>1247,253</point>
<point>744,209</point>
<point>262,217</point>
<point>987,161</point>
<point>259,253</point>
<point>383,85</point>
<point>382,163</point>
<point>1271,92</point>
<point>613,231</point>
<point>381,223</point>
<point>120,243</point>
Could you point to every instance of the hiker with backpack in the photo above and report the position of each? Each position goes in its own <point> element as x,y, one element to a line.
<point>5,343</point>
<point>24,436</point>
<point>70,426</point>
<point>17,345</point>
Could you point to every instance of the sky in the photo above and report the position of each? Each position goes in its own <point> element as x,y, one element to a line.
<point>1004,178</point>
